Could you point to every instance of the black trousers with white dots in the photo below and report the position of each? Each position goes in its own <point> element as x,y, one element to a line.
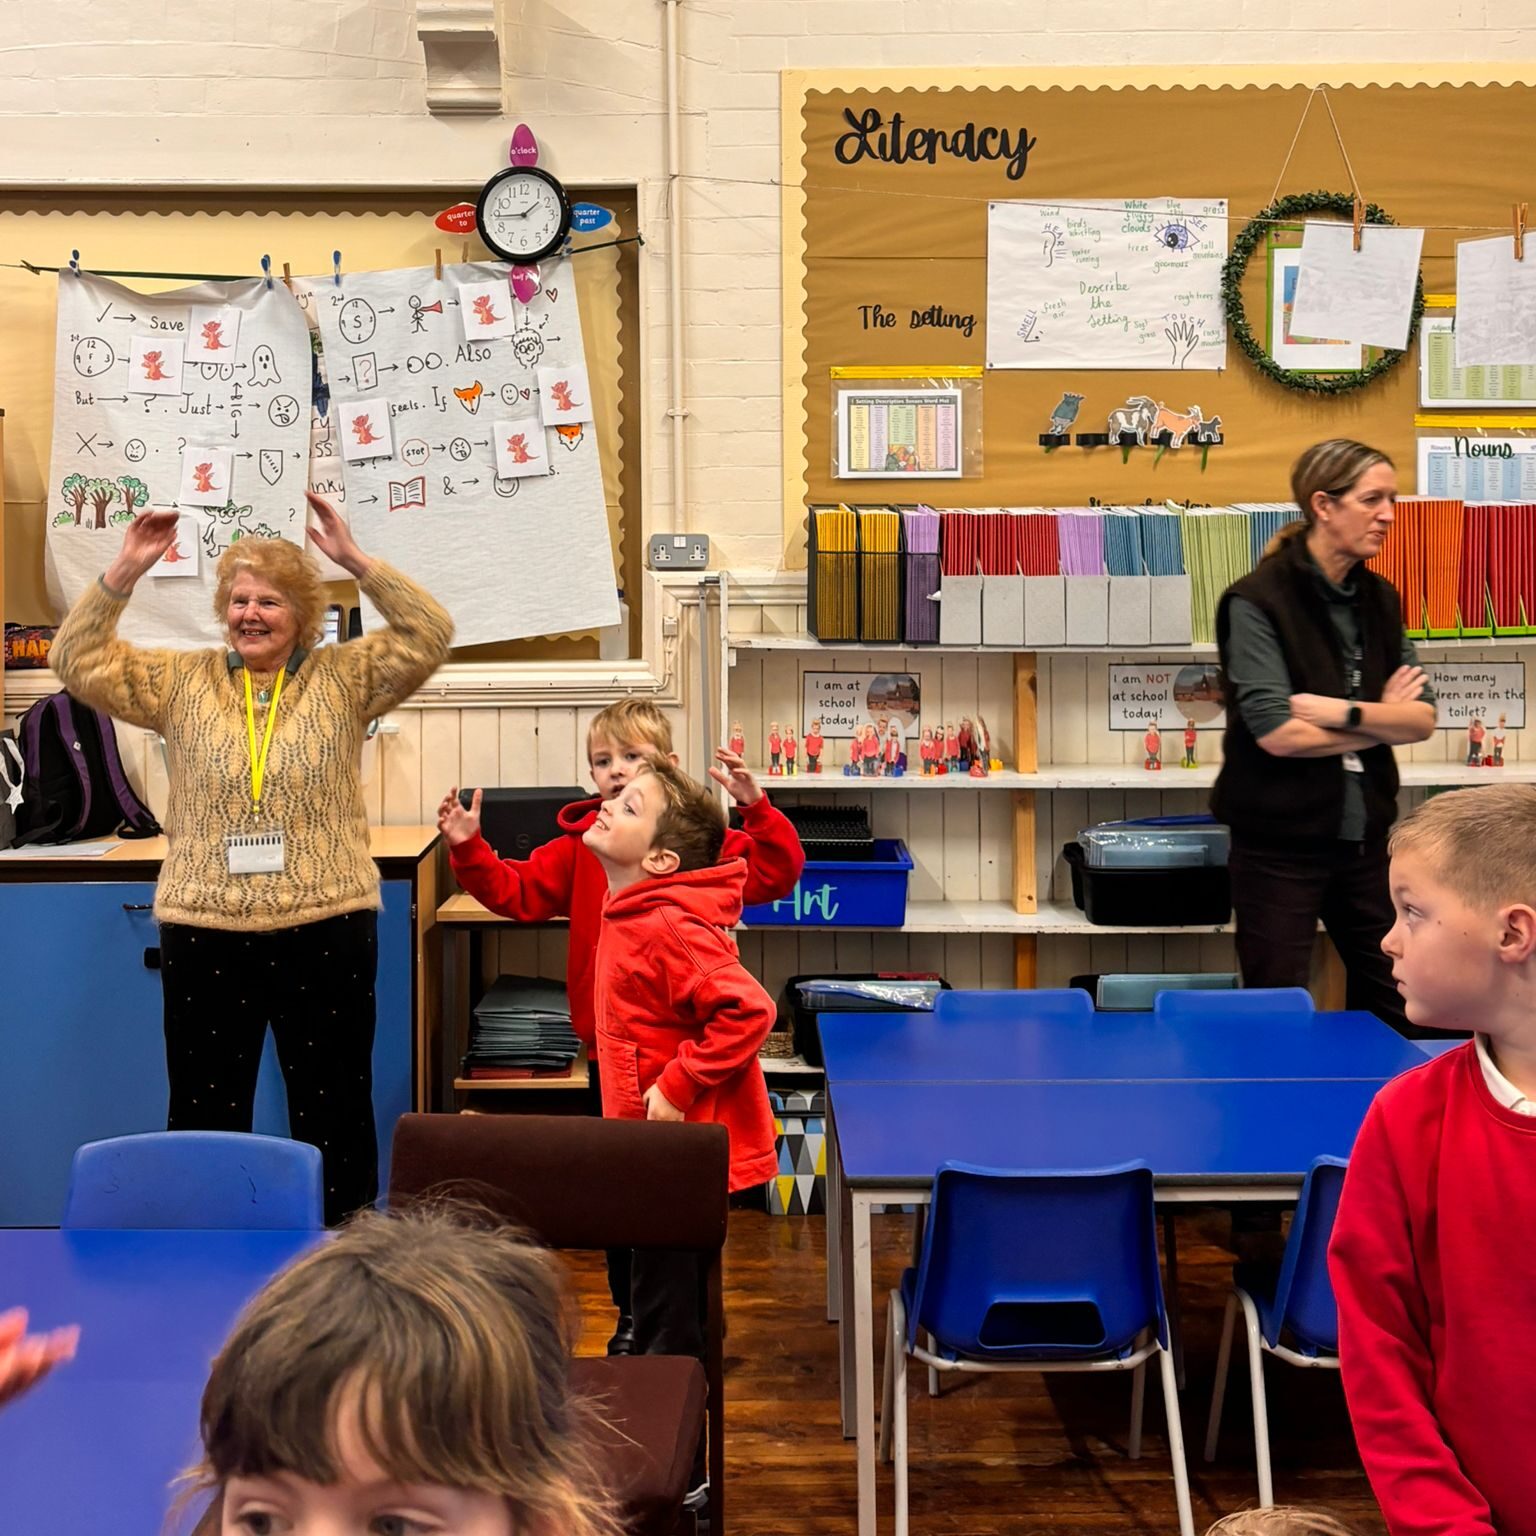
<point>314,984</point>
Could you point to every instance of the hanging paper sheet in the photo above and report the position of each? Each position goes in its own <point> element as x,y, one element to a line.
<point>141,414</point>
<point>511,555</point>
<point>1106,283</point>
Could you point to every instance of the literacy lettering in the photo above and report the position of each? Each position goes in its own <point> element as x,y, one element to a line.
<point>871,137</point>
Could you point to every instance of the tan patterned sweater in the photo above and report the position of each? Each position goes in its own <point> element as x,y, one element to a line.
<point>313,787</point>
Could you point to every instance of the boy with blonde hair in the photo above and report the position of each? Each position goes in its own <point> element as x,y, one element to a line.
<point>563,878</point>
<point>1431,1251</point>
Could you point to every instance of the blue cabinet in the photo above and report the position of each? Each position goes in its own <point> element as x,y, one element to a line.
<point>82,1053</point>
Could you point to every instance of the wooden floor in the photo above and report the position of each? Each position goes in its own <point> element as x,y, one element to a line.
<point>1001,1454</point>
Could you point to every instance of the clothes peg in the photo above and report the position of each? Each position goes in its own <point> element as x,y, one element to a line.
<point>466,253</point>
<point>1519,211</point>
<point>437,265</point>
<point>336,265</point>
<point>266,267</point>
<point>74,262</point>
<point>1359,220</point>
<point>287,277</point>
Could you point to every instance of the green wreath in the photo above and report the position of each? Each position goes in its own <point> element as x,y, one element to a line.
<point>1248,241</point>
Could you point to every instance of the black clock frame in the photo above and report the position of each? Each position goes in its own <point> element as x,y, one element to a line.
<point>565,213</point>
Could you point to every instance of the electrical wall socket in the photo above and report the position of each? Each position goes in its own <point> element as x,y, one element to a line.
<point>678,551</point>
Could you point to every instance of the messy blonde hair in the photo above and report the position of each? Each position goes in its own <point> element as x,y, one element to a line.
<point>1481,842</point>
<point>282,564</point>
<point>446,1335</point>
<point>631,722</point>
<point>1334,468</point>
<point>1282,1520</point>
<point>692,824</point>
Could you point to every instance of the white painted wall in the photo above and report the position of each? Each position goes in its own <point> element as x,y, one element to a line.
<point>262,91</point>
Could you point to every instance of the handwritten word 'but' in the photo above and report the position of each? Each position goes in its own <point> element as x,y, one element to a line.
<point>876,317</point>
<point>870,137</point>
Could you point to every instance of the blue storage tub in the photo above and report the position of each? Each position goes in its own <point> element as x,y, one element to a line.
<point>832,893</point>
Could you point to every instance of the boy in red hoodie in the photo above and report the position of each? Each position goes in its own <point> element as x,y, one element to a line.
<point>564,879</point>
<point>1431,1251</point>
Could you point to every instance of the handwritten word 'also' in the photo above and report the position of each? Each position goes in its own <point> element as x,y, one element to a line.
<point>870,137</point>
<point>876,317</point>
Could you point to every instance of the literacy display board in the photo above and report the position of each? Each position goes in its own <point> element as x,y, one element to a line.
<point>1106,283</point>
<point>462,424</point>
<point>198,399</point>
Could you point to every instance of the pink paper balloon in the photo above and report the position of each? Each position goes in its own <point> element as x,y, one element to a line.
<point>525,148</point>
<point>525,283</point>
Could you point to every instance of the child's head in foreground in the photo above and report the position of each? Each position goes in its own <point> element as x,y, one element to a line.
<point>407,1377</point>
<point>660,823</point>
<point>1281,1520</point>
<point>622,738</point>
<point>1464,890</point>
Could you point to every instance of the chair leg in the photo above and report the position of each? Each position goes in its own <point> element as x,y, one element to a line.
<point>888,1378</point>
<point>1138,1407</point>
<point>1223,1366</point>
<point>934,1389</point>
<point>1171,1298</point>
<point>1260,1403</point>
<point>899,1429</point>
<point>1176,1443</point>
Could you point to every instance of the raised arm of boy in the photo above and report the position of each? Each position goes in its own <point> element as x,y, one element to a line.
<point>531,890</point>
<point>1384,1351</point>
<point>767,839</point>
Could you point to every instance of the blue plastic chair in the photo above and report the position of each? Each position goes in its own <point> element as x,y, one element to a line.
<point>1034,1272</point>
<point>1295,1318</point>
<point>1054,1005</point>
<point>181,1180</point>
<point>1234,1007</point>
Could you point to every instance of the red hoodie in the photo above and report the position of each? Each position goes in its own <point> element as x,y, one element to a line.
<point>1432,1266</point>
<point>564,879</point>
<point>676,1007</point>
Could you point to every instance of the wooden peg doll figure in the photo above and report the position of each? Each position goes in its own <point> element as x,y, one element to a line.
<point>951,747</point>
<point>1498,744</point>
<point>1153,743</point>
<point>775,748</point>
<point>738,741</point>
<point>893,752</point>
<point>874,758</point>
<point>1476,731</point>
<point>791,748</point>
<point>814,743</point>
<point>925,750</point>
<point>1190,742</point>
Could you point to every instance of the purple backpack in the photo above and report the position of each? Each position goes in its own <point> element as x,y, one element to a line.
<point>75,785</point>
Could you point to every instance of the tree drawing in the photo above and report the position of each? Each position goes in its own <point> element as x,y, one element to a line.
<point>102,493</point>
<point>135,493</point>
<point>75,493</point>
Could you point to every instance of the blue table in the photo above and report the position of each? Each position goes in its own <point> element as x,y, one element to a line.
<point>919,1047</point>
<point>97,1444</point>
<point>1222,1109</point>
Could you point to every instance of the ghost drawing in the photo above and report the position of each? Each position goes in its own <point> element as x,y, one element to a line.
<point>264,367</point>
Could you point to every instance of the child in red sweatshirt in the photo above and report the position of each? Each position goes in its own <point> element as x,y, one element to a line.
<point>564,879</point>
<point>1431,1256</point>
<point>680,1020</point>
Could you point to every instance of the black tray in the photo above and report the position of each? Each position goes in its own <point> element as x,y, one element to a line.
<point>1149,898</point>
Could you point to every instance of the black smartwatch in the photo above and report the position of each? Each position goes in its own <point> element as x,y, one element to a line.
<point>1352,720</point>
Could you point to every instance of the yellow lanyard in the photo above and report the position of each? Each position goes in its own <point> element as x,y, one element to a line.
<point>259,763</point>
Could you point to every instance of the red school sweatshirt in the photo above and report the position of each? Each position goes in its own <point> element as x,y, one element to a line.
<point>1432,1265</point>
<point>563,879</point>
<point>676,1007</point>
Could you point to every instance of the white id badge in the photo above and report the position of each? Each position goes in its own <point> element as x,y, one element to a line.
<point>1352,763</point>
<point>255,853</point>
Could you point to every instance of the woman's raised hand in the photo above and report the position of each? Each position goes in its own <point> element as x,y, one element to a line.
<point>333,538</point>
<point>145,541</point>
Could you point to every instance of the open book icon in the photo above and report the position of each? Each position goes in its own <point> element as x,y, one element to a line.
<point>408,493</point>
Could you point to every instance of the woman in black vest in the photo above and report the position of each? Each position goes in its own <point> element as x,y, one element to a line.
<point>1321,683</point>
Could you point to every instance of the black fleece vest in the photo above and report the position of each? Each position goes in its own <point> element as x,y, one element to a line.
<point>1282,802</point>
